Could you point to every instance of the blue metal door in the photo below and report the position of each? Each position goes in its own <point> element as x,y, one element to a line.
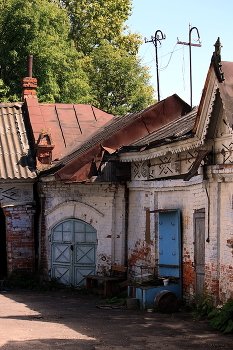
<point>73,251</point>
<point>170,244</point>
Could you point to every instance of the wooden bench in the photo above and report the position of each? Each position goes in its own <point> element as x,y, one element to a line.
<point>110,283</point>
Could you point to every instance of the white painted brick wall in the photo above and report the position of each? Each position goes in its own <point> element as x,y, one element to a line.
<point>100,205</point>
<point>188,197</point>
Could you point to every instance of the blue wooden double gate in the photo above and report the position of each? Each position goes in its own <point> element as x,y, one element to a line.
<point>73,252</point>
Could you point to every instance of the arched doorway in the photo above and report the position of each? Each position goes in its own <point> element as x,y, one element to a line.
<point>73,251</point>
<point>3,259</point>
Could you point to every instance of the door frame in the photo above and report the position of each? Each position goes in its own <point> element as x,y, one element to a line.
<point>73,245</point>
<point>199,243</point>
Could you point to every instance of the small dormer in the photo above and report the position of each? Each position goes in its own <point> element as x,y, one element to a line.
<point>45,147</point>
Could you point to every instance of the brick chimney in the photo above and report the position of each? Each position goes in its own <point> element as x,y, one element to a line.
<point>29,84</point>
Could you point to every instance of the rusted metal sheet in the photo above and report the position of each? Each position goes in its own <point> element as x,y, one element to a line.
<point>174,130</point>
<point>146,122</point>
<point>83,168</point>
<point>68,124</point>
<point>16,161</point>
<point>226,90</point>
<point>149,121</point>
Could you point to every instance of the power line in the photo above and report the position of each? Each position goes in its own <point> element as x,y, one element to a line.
<point>161,69</point>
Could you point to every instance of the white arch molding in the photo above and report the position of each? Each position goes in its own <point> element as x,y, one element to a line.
<point>73,210</point>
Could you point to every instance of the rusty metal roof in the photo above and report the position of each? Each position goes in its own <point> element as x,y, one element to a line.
<point>68,124</point>
<point>82,163</point>
<point>16,161</point>
<point>176,130</point>
<point>226,90</point>
<point>101,134</point>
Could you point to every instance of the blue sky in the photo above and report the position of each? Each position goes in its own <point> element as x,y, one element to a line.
<point>213,18</point>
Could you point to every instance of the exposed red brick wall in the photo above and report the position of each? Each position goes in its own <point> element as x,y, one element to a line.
<point>29,86</point>
<point>219,282</point>
<point>188,275</point>
<point>20,239</point>
<point>43,250</point>
<point>140,253</point>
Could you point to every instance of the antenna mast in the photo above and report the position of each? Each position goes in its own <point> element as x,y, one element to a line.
<point>157,38</point>
<point>190,57</point>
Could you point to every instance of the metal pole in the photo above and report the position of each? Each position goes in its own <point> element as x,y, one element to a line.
<point>157,70</point>
<point>158,37</point>
<point>190,57</point>
<point>190,45</point>
<point>190,67</point>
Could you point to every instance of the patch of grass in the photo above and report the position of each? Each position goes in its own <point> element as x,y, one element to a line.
<point>202,305</point>
<point>114,300</point>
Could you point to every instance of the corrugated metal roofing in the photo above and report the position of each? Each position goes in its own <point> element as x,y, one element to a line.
<point>176,129</point>
<point>81,164</point>
<point>16,161</point>
<point>117,124</point>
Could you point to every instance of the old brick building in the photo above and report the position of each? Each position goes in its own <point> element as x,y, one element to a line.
<point>186,167</point>
<point>150,190</point>
<point>17,176</point>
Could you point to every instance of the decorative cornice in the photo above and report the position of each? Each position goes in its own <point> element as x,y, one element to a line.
<point>174,148</point>
<point>207,108</point>
<point>163,184</point>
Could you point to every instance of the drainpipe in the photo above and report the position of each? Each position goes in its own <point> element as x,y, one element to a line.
<point>126,223</point>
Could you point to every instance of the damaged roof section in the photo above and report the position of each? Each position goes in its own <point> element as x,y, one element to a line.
<point>176,130</point>
<point>16,161</point>
<point>83,162</point>
<point>68,124</point>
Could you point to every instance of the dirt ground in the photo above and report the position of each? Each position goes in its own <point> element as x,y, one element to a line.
<point>66,320</point>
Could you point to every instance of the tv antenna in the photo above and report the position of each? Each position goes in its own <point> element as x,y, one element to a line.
<point>190,57</point>
<point>155,39</point>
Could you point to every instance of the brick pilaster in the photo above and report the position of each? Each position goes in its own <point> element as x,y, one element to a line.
<point>20,245</point>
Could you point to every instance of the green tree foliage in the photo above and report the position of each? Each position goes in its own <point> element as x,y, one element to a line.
<point>119,83</point>
<point>40,28</point>
<point>82,53</point>
<point>95,20</point>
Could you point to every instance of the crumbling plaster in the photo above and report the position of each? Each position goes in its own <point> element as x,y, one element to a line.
<point>215,196</point>
<point>100,205</point>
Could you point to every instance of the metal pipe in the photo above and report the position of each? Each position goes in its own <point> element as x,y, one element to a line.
<point>29,66</point>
